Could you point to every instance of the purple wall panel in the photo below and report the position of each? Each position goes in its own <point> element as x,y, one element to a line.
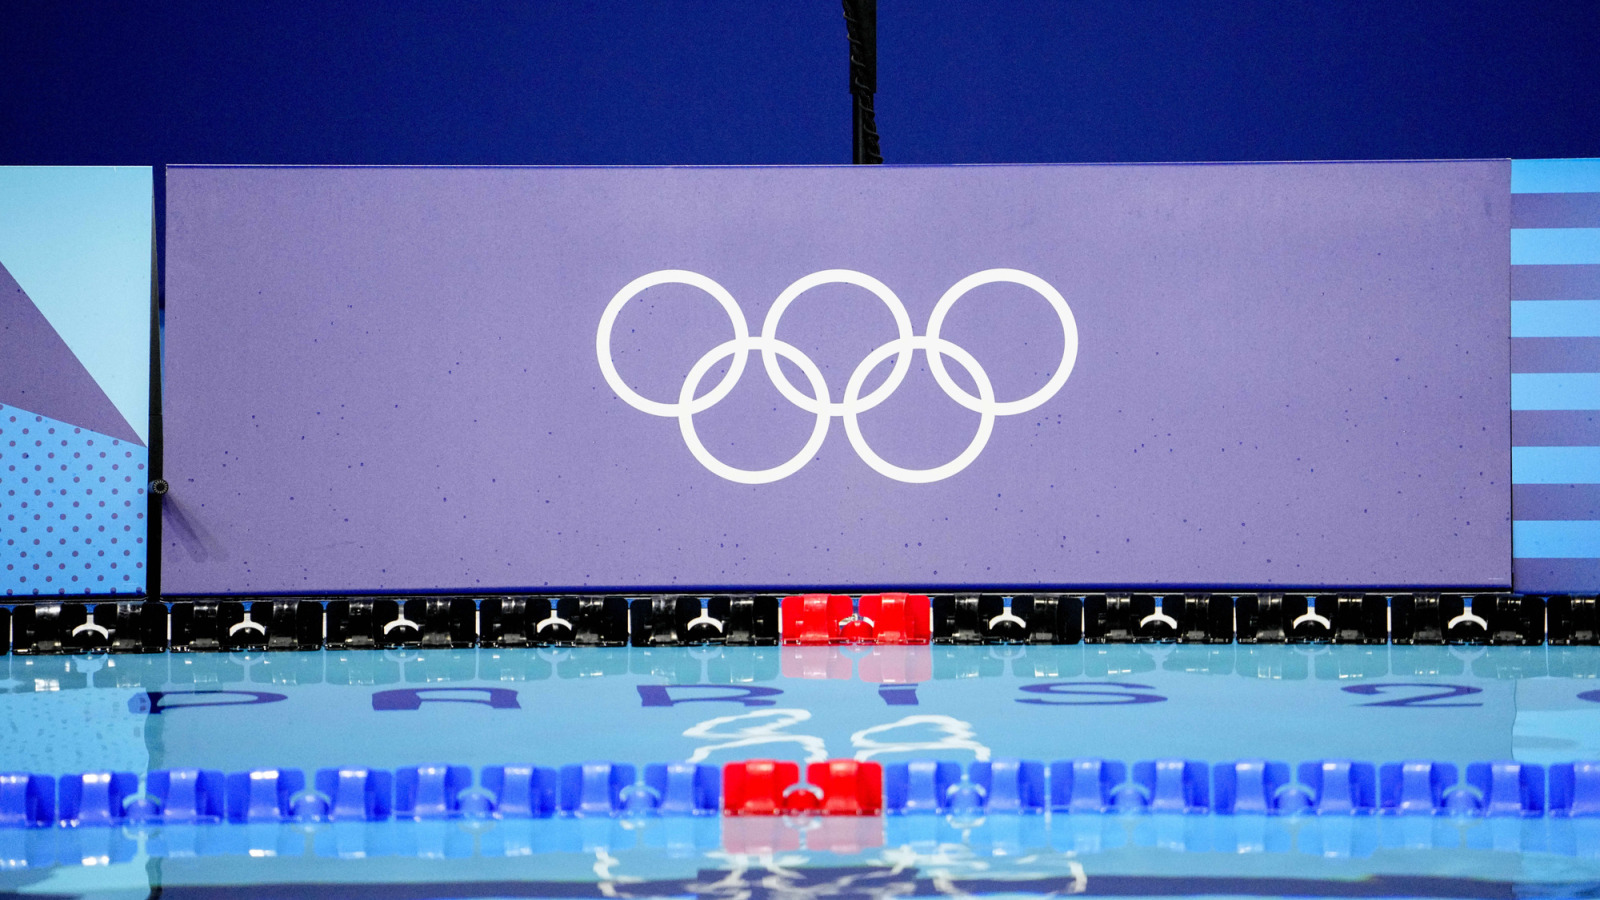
<point>387,379</point>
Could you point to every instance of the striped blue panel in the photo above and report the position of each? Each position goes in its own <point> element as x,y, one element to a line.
<point>1555,246</point>
<point>1555,176</point>
<point>1555,465</point>
<point>1556,501</point>
<point>1564,390</point>
<point>1555,210</point>
<point>1556,576</point>
<point>1555,282</point>
<point>1555,540</point>
<point>1555,380</point>
<point>1554,354</point>
<point>1555,428</point>
<point>1556,318</point>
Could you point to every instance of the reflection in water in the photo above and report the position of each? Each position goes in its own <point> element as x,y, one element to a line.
<point>745,665</point>
<point>1034,845</point>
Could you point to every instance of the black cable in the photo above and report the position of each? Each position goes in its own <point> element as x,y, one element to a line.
<point>861,25</point>
<point>156,485</point>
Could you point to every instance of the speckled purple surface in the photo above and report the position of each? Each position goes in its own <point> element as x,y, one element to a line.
<point>385,379</point>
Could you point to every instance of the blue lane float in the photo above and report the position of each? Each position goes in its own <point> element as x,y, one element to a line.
<point>1575,789</point>
<point>27,800</point>
<point>1329,789</point>
<point>263,795</point>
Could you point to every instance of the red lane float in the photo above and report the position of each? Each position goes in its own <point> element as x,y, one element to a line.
<point>835,787</point>
<point>898,618</point>
<point>815,618</point>
<point>893,618</point>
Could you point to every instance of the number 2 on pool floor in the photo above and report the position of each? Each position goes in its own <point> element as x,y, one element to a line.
<point>1425,700</point>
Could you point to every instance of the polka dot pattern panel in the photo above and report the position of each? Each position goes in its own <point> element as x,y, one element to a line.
<point>72,509</point>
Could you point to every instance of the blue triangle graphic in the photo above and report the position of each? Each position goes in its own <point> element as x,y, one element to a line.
<point>41,372</point>
<point>77,240</point>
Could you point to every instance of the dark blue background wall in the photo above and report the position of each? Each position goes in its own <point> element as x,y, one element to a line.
<point>764,81</point>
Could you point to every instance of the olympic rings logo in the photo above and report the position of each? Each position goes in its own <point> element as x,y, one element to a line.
<point>817,401</point>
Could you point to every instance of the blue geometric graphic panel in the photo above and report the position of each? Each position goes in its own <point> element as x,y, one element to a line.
<point>72,509</point>
<point>77,241</point>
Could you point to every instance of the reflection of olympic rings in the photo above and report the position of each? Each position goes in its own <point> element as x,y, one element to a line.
<point>852,404</point>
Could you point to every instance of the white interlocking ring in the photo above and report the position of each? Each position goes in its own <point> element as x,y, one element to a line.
<point>934,346</point>
<point>742,347</point>
<point>608,319</point>
<point>902,324</point>
<point>852,404</point>
<point>1069,344</point>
